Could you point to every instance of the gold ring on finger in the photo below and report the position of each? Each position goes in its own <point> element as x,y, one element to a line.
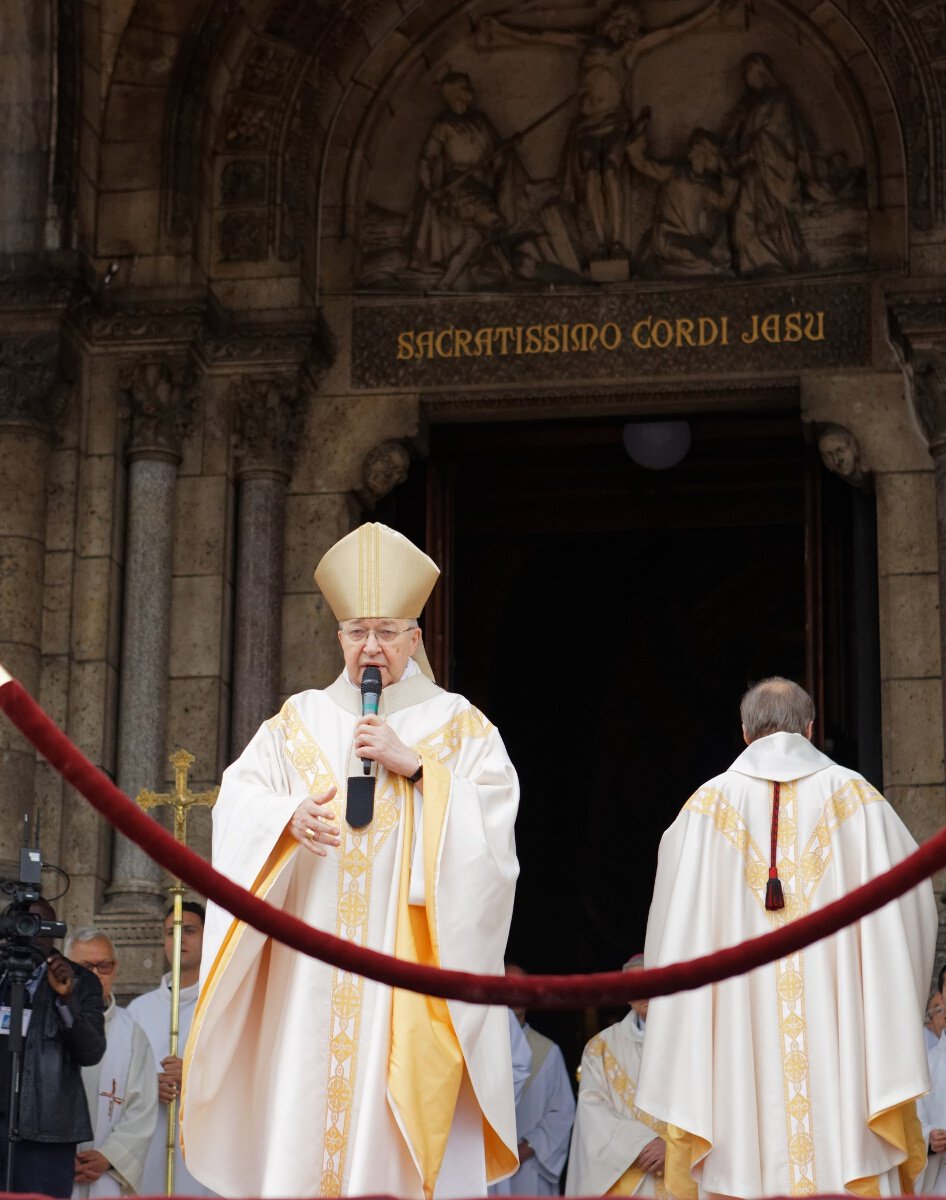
<point>311,833</point>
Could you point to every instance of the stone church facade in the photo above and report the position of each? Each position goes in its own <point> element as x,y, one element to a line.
<point>254,251</point>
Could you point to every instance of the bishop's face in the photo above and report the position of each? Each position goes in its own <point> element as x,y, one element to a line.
<point>382,642</point>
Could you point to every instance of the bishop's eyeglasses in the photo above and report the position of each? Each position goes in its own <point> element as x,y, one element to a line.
<point>358,633</point>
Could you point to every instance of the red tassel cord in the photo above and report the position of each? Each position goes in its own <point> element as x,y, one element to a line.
<point>773,889</point>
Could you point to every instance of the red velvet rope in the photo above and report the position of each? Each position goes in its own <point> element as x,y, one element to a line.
<point>534,991</point>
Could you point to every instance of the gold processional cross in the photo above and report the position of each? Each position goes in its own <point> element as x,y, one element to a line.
<point>181,799</point>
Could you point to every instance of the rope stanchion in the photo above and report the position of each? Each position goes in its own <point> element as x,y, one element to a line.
<point>535,991</point>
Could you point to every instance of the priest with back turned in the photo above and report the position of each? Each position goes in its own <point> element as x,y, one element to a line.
<point>802,1076</point>
<point>305,1080</point>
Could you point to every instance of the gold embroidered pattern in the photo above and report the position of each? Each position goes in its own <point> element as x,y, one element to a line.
<point>625,1088</point>
<point>444,744</point>
<point>800,872</point>
<point>355,857</point>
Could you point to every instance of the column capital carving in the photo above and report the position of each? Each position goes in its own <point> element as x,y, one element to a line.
<point>844,456</point>
<point>387,465</point>
<point>162,400</point>
<point>916,321</point>
<point>269,414</point>
<point>34,389</point>
<point>926,367</point>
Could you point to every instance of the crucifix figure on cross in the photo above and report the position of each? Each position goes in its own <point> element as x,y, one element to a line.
<point>182,799</point>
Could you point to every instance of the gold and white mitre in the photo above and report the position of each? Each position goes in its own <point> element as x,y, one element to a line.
<point>374,571</point>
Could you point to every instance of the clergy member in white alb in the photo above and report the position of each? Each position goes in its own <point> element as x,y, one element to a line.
<point>302,1080</point>
<point>932,1113</point>
<point>617,1149</point>
<point>121,1090</point>
<point>801,1076</point>
<point>152,1011</point>
<point>545,1109</point>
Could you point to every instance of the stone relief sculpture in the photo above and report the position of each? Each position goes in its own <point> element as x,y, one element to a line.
<point>689,234</point>
<point>595,166</point>
<point>780,173</point>
<point>471,184</point>
<point>751,195</point>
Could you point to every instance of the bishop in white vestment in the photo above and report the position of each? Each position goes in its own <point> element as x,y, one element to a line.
<point>305,1080</point>
<point>801,1076</point>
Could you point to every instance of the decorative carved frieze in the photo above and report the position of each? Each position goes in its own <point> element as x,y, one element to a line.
<point>129,326</point>
<point>36,282</point>
<point>33,390</point>
<point>269,415</point>
<point>267,70</point>
<point>162,401</point>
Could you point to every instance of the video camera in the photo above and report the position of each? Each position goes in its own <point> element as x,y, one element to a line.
<point>18,925</point>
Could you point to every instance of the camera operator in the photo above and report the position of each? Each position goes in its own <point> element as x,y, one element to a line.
<point>66,1032</point>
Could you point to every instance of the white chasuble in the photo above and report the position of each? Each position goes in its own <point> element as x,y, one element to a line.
<point>304,1080</point>
<point>610,1128</point>
<point>122,1093</point>
<point>802,1075</point>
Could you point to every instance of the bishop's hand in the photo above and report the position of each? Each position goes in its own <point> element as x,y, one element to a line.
<point>313,824</point>
<point>377,741</point>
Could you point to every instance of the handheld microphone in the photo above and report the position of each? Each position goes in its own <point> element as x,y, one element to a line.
<point>359,804</point>
<point>370,695</point>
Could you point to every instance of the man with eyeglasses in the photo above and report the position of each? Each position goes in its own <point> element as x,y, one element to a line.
<point>64,1031</point>
<point>367,1090</point>
<point>121,1090</point>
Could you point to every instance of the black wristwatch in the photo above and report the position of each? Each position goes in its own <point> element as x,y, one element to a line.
<point>417,774</point>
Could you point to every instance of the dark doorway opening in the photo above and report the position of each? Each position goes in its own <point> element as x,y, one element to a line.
<point>607,618</point>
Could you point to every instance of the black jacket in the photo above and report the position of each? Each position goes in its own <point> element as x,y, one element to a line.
<point>53,1107</point>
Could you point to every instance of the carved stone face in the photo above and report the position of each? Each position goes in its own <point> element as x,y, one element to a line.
<point>623,23</point>
<point>757,75</point>
<point>458,94</point>
<point>702,158</point>
<point>839,453</point>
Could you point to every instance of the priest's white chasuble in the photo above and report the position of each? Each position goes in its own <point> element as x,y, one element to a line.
<point>305,1080</point>
<point>122,1094</point>
<point>801,1076</point>
<point>610,1128</point>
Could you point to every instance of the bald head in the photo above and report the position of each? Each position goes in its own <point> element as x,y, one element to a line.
<point>776,705</point>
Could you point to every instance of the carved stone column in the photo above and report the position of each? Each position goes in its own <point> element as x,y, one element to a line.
<point>161,400</point>
<point>927,369</point>
<point>269,414</point>
<point>31,402</point>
